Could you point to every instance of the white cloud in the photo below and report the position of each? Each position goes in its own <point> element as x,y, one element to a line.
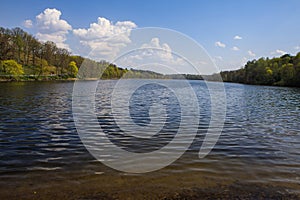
<point>104,38</point>
<point>51,27</point>
<point>152,52</point>
<point>163,50</point>
<point>27,23</point>
<point>297,47</point>
<point>220,44</point>
<point>278,52</point>
<point>237,37</point>
<point>156,56</point>
<point>251,53</point>
<point>235,48</point>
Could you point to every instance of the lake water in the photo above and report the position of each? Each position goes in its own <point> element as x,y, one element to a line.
<point>256,156</point>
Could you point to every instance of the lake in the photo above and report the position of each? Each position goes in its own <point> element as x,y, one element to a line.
<point>256,156</point>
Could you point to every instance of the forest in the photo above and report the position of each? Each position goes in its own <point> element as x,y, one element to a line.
<point>23,57</point>
<point>282,71</point>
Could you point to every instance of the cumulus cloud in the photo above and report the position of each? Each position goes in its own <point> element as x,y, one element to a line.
<point>237,37</point>
<point>159,56</point>
<point>220,44</point>
<point>162,51</point>
<point>297,47</point>
<point>278,52</point>
<point>235,48</point>
<point>104,38</point>
<point>251,53</point>
<point>51,28</point>
<point>27,23</point>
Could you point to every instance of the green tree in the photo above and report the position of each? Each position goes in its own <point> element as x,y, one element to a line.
<point>18,38</point>
<point>73,69</point>
<point>12,68</point>
<point>287,74</point>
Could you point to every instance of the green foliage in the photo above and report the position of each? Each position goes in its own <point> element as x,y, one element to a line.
<point>283,71</point>
<point>39,59</point>
<point>12,69</point>
<point>77,59</point>
<point>72,69</point>
<point>47,61</point>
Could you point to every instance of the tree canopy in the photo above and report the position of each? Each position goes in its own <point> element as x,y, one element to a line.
<point>37,58</point>
<point>42,60</point>
<point>283,71</point>
<point>12,69</point>
<point>22,56</point>
<point>73,69</point>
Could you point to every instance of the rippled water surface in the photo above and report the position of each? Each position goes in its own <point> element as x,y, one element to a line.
<point>43,156</point>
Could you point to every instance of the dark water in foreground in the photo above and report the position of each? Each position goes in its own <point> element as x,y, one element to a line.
<point>42,156</point>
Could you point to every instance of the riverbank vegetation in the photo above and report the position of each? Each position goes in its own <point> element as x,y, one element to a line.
<point>23,57</point>
<point>282,71</point>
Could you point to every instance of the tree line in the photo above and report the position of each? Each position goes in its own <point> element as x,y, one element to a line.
<point>23,56</point>
<point>281,71</point>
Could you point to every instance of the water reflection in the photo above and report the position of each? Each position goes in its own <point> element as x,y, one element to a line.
<point>260,141</point>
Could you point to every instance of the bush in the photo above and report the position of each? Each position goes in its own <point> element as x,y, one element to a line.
<point>12,69</point>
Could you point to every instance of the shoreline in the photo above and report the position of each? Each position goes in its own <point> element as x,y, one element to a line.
<point>174,187</point>
<point>95,79</point>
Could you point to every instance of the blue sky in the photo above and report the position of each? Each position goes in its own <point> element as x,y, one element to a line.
<point>265,28</point>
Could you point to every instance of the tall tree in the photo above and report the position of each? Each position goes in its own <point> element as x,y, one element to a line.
<point>18,38</point>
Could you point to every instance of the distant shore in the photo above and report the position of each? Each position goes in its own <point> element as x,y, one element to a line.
<point>168,78</point>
